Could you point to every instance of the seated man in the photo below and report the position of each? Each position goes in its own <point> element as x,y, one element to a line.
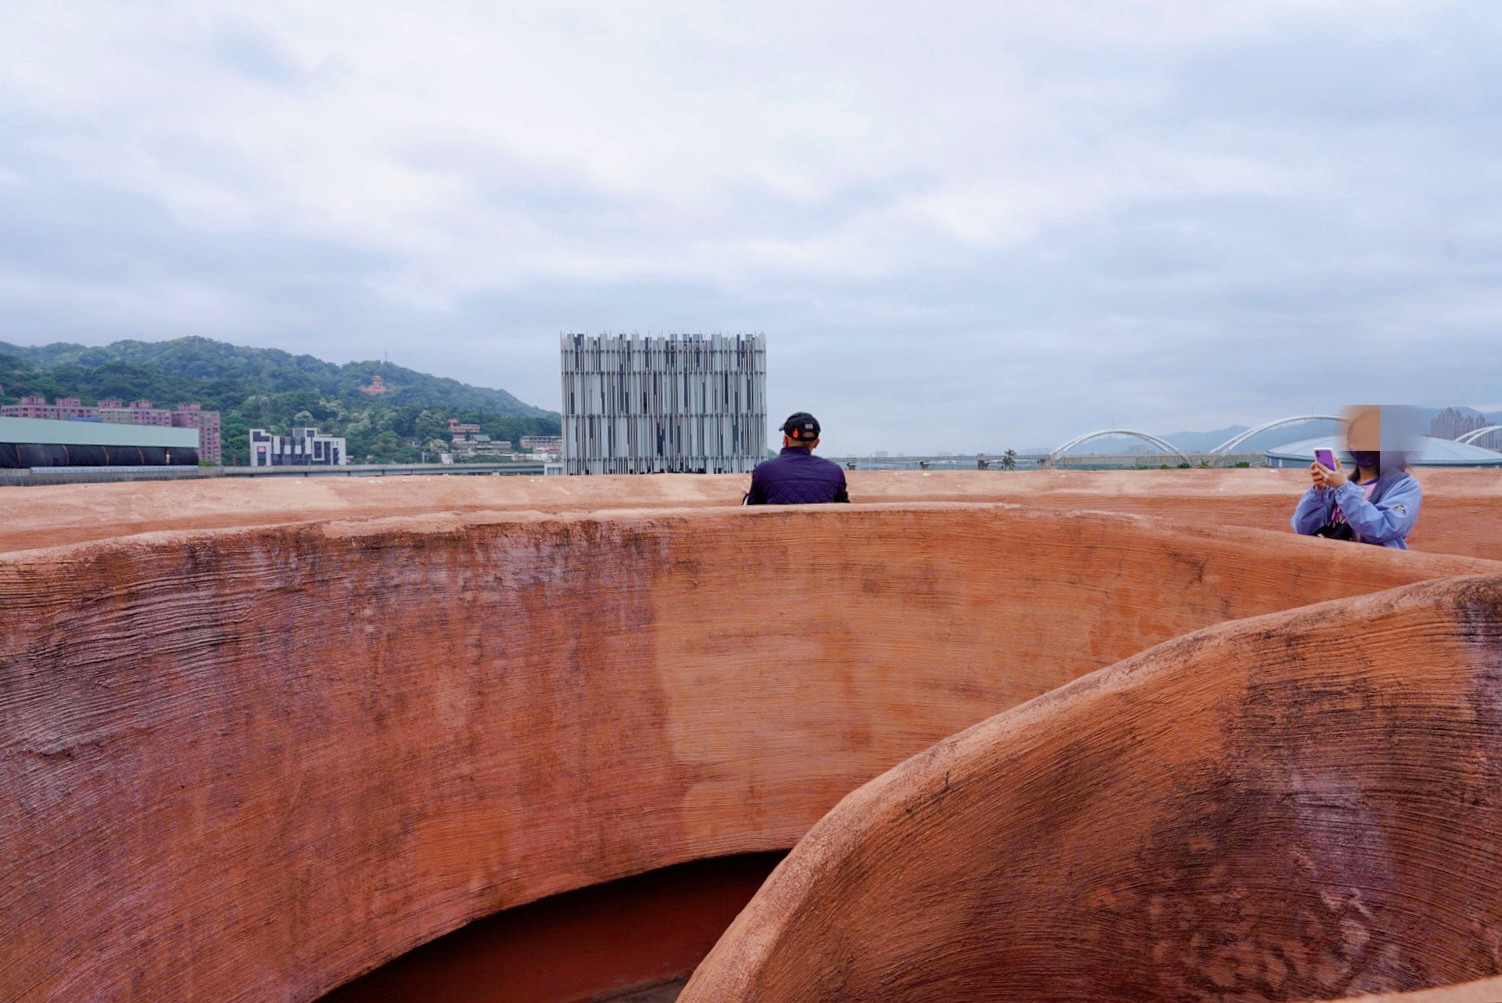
<point>797,476</point>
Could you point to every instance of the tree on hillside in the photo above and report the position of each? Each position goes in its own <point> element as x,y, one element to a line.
<point>431,425</point>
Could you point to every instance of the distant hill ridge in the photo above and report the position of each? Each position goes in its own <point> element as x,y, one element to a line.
<point>220,375</point>
<point>276,390</point>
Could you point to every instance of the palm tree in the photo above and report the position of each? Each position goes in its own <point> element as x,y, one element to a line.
<point>1009,460</point>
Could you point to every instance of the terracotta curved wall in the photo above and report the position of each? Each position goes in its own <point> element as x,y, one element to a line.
<point>1460,511</point>
<point>254,763</point>
<point>1302,806</point>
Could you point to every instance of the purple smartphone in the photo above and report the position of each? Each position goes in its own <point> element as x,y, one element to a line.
<point>1325,458</point>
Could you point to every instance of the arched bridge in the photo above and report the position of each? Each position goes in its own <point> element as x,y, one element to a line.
<point>1221,450</point>
<point>1471,437</point>
<point>1080,439</point>
<point>1236,440</point>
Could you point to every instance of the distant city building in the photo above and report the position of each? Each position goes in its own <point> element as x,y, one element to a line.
<point>676,404</point>
<point>481,444</point>
<point>468,439</point>
<point>207,422</point>
<point>375,386</point>
<point>1452,424</point>
<point>66,409</point>
<point>137,413</point>
<point>462,432</point>
<point>498,447</point>
<point>543,444</point>
<point>303,448</point>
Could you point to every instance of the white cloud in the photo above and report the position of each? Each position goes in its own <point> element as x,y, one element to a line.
<point>1160,206</point>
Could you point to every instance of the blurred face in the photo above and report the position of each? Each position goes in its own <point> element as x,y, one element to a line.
<point>1364,433</point>
<point>1364,436</point>
<point>1395,429</point>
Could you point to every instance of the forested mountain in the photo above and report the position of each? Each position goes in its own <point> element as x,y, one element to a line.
<point>272,389</point>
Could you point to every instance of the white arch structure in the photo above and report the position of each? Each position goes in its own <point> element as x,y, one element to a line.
<point>1471,437</point>
<point>1079,439</point>
<point>1236,440</point>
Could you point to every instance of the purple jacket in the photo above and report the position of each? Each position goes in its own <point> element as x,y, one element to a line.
<point>1385,520</point>
<point>797,477</point>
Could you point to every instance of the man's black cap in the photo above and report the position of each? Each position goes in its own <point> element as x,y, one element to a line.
<point>801,426</point>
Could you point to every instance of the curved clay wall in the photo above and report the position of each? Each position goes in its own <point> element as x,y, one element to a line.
<point>1462,511</point>
<point>1301,806</point>
<point>254,762</point>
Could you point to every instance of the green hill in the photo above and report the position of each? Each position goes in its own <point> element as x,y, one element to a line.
<point>268,388</point>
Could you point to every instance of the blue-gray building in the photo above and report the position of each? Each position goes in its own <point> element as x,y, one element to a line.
<point>1431,452</point>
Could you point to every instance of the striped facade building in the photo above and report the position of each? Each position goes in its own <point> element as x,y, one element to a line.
<point>676,404</point>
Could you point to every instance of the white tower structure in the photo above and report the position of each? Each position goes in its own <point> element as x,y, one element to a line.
<point>680,403</point>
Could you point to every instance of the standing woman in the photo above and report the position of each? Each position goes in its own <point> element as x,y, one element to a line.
<point>1378,506</point>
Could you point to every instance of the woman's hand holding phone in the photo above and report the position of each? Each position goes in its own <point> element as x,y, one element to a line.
<point>1326,471</point>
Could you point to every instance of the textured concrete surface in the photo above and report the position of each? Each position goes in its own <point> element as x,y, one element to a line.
<point>1304,805</point>
<point>258,738</point>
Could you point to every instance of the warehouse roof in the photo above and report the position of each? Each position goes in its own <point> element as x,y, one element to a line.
<point>95,433</point>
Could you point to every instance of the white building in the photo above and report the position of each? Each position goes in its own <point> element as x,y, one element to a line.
<point>303,448</point>
<point>676,404</point>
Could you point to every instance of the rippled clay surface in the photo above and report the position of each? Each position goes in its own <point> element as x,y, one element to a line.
<point>1305,805</point>
<point>330,721</point>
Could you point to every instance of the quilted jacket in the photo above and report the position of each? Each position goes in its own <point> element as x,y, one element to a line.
<point>797,477</point>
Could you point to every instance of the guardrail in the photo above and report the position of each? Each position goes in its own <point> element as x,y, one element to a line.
<point>34,476</point>
<point>1033,461</point>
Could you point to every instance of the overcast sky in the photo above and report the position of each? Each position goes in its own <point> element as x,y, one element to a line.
<point>972,225</point>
